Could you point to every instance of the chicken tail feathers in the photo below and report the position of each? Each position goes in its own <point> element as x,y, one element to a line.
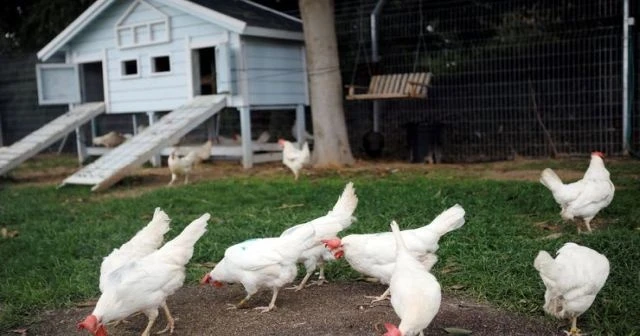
<point>150,237</point>
<point>449,220</point>
<point>550,179</point>
<point>346,204</point>
<point>180,249</point>
<point>159,223</point>
<point>400,245</point>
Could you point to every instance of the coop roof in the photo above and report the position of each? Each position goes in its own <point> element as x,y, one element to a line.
<point>240,16</point>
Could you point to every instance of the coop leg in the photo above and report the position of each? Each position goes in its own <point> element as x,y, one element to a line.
<point>301,124</point>
<point>155,160</point>
<point>82,149</point>
<point>245,129</point>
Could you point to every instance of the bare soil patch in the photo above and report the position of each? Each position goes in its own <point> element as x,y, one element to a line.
<point>337,309</point>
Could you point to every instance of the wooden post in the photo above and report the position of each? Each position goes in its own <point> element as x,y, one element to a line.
<point>134,124</point>
<point>1,143</point>
<point>94,130</point>
<point>156,159</point>
<point>81,147</point>
<point>301,124</point>
<point>245,130</point>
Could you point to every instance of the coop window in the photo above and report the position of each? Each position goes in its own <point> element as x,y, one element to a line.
<point>160,64</point>
<point>130,67</point>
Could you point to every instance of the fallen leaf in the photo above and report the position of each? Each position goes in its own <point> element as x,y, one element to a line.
<point>89,303</point>
<point>553,236</point>
<point>457,287</point>
<point>208,264</point>
<point>286,206</point>
<point>450,269</point>
<point>457,331</point>
<point>6,233</point>
<point>369,279</point>
<point>21,331</point>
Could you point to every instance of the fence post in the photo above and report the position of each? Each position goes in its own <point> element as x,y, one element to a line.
<point>626,88</point>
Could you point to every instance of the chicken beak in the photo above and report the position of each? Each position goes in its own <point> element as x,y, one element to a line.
<point>205,279</point>
<point>338,254</point>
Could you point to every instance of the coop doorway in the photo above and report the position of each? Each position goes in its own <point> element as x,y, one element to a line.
<point>204,71</point>
<point>91,82</point>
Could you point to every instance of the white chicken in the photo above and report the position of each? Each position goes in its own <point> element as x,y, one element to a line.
<point>225,141</point>
<point>415,293</point>
<point>144,284</point>
<point>203,152</point>
<point>179,166</point>
<point>146,241</point>
<point>584,198</point>
<point>263,137</point>
<point>374,254</point>
<point>294,158</point>
<point>336,220</point>
<point>572,280</point>
<point>109,140</point>
<point>262,263</point>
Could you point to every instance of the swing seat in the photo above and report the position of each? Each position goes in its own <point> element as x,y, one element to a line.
<point>393,86</point>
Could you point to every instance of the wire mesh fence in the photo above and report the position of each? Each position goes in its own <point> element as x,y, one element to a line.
<point>511,78</point>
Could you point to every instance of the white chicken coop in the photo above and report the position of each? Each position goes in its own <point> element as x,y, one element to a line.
<point>147,56</point>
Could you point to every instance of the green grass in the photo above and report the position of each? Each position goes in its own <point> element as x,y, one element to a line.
<point>64,234</point>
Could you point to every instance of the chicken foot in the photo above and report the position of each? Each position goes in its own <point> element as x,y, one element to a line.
<point>381,297</point>
<point>321,279</point>
<point>152,315</point>
<point>302,283</point>
<point>173,179</point>
<point>170,320</point>
<point>272,304</point>
<point>240,304</point>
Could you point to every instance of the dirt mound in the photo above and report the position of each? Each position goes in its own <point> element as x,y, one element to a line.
<point>337,309</point>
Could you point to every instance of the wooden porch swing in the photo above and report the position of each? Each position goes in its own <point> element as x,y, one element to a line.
<point>411,85</point>
<point>393,86</point>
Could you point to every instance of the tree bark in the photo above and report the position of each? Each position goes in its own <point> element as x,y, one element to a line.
<point>331,144</point>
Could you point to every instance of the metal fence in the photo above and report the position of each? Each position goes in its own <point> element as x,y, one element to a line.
<point>511,77</point>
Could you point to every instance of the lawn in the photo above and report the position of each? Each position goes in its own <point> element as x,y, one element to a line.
<point>64,233</point>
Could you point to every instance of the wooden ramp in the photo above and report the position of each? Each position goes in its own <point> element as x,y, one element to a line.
<point>12,156</point>
<point>117,163</point>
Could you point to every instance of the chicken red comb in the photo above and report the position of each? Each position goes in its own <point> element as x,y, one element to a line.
<point>90,323</point>
<point>392,330</point>
<point>281,141</point>
<point>598,153</point>
<point>332,243</point>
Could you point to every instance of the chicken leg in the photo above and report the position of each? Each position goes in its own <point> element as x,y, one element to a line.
<point>170,320</point>
<point>321,279</point>
<point>173,179</point>
<point>152,315</point>
<point>587,222</point>
<point>272,304</point>
<point>574,331</point>
<point>381,297</point>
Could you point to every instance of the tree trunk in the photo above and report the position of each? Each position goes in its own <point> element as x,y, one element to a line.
<point>330,144</point>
